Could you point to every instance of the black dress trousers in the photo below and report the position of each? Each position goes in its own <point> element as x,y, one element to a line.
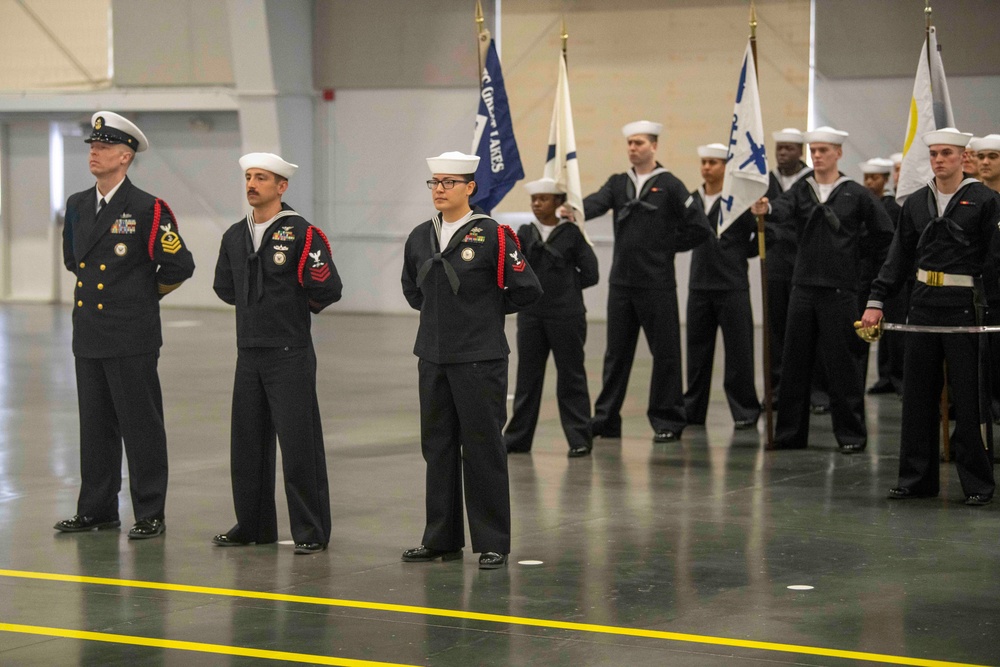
<point>463,407</point>
<point>923,377</point>
<point>821,325</point>
<point>707,312</point>
<point>779,293</point>
<point>120,401</point>
<point>274,394</point>
<point>655,312</point>
<point>565,337</point>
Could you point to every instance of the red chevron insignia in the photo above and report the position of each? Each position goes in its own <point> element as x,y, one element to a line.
<point>321,274</point>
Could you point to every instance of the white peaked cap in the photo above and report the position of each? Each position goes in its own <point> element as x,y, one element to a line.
<point>111,128</point>
<point>713,151</point>
<point>825,135</point>
<point>268,162</point>
<point>949,136</point>
<point>543,186</point>
<point>453,162</point>
<point>877,165</point>
<point>642,127</point>
<point>991,142</point>
<point>897,158</point>
<point>789,135</point>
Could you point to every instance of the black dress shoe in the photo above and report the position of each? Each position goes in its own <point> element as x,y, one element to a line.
<point>852,448</point>
<point>978,499</point>
<point>903,493</point>
<point>491,560</point>
<point>744,424</point>
<point>309,547</point>
<point>666,436</point>
<point>577,452</point>
<point>79,524</point>
<point>223,540</point>
<point>146,528</point>
<point>423,554</point>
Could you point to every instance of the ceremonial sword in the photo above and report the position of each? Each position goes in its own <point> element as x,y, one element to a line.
<point>873,333</point>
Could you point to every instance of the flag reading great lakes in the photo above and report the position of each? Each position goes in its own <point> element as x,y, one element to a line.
<point>746,178</point>
<point>493,141</point>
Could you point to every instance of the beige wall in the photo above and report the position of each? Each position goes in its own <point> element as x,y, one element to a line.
<point>676,65</point>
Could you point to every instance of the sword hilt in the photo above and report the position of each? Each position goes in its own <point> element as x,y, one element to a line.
<point>868,334</point>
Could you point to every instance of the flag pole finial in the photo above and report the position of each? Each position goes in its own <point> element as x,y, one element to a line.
<point>753,20</point>
<point>479,17</point>
<point>564,35</point>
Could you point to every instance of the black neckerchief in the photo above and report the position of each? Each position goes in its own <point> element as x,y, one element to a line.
<point>253,262</point>
<point>828,214</point>
<point>438,257</point>
<point>630,191</point>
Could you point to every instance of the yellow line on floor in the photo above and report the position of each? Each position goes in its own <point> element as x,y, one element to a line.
<point>133,640</point>
<point>493,618</point>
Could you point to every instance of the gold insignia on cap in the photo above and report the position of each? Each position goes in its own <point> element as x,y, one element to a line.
<point>99,123</point>
<point>121,249</point>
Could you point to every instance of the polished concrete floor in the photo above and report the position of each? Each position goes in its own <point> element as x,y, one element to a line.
<point>677,554</point>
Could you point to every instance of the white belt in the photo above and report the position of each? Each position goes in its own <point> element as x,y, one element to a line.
<point>941,279</point>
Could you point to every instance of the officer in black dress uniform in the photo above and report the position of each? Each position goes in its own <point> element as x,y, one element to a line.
<point>889,362</point>
<point>947,234</point>
<point>565,265</point>
<point>654,218</point>
<point>988,156</point>
<point>126,251</point>
<point>838,223</point>
<point>276,269</point>
<point>719,298</point>
<point>463,272</point>
<point>781,245</point>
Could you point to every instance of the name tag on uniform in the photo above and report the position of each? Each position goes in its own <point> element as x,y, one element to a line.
<point>124,225</point>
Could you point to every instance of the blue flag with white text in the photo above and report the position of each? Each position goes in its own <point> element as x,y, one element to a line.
<point>493,141</point>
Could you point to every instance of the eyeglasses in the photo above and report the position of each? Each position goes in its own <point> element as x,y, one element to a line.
<point>447,183</point>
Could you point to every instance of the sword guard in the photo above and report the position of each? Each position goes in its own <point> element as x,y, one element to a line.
<point>868,334</point>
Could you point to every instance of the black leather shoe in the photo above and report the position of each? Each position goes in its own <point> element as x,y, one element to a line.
<point>309,547</point>
<point>223,540</point>
<point>79,524</point>
<point>978,499</point>
<point>146,528</point>
<point>903,493</point>
<point>852,448</point>
<point>423,554</point>
<point>820,409</point>
<point>666,436</point>
<point>491,560</point>
<point>577,452</point>
<point>744,424</point>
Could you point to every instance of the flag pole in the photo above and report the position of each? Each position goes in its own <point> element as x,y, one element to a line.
<point>945,422</point>
<point>479,40</point>
<point>766,329</point>
<point>565,37</point>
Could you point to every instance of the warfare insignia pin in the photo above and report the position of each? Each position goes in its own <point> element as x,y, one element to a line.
<point>279,258</point>
<point>468,254</point>
<point>282,248</point>
<point>121,249</point>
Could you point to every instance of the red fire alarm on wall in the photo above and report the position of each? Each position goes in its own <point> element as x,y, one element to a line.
<point>329,94</point>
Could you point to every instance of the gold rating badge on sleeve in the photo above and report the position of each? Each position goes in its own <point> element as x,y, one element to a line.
<point>171,243</point>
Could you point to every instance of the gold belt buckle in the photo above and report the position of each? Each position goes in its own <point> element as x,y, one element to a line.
<point>935,278</point>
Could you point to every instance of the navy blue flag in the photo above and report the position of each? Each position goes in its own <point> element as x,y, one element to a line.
<point>500,163</point>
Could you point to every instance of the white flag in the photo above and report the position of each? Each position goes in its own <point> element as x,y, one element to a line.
<point>930,109</point>
<point>746,177</point>
<point>560,163</point>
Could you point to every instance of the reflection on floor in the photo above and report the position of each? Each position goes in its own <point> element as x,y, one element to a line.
<point>702,537</point>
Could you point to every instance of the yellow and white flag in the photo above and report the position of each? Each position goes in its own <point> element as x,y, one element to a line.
<point>930,109</point>
<point>560,163</point>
